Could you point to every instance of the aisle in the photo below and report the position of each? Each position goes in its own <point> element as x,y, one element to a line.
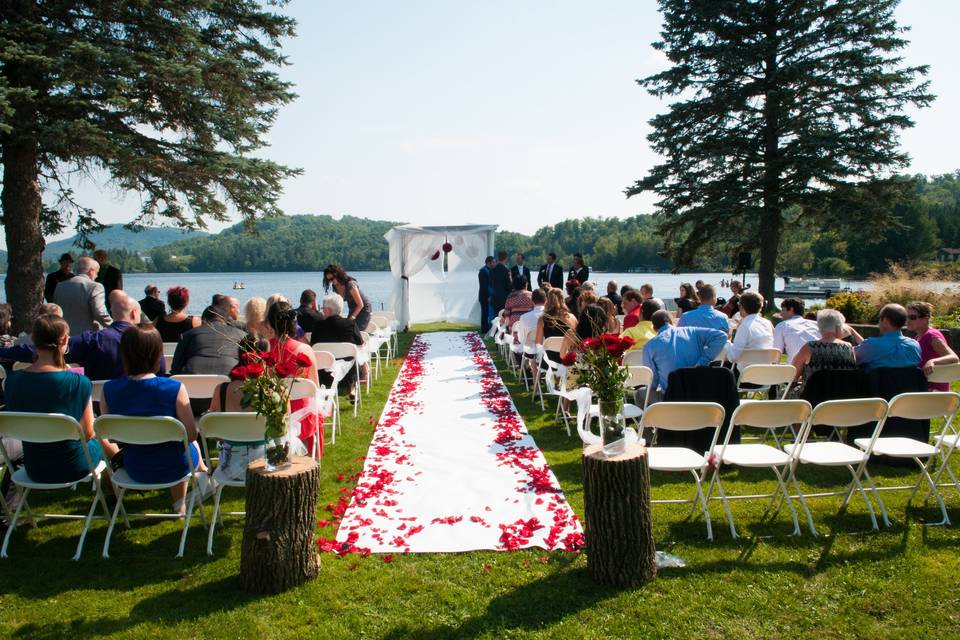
<point>451,466</point>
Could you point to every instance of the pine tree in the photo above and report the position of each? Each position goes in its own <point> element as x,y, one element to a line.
<point>168,100</point>
<point>782,105</point>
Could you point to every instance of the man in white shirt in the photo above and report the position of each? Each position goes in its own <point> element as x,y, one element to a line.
<point>754,331</point>
<point>794,330</point>
<point>528,321</point>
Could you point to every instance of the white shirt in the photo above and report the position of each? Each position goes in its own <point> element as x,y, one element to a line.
<point>528,325</point>
<point>790,335</point>
<point>754,332</point>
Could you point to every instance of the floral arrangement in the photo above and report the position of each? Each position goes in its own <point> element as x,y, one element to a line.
<point>264,391</point>
<point>597,362</point>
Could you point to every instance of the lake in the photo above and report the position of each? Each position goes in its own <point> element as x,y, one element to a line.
<point>377,285</point>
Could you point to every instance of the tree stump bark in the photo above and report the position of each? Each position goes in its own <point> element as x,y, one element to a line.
<point>279,550</point>
<point>619,532</point>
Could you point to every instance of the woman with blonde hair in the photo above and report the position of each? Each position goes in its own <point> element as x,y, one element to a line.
<point>255,315</point>
<point>556,321</point>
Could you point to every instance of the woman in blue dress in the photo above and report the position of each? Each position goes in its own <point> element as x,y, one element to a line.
<point>142,393</point>
<point>47,387</point>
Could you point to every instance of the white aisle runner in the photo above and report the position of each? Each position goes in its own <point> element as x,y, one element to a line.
<point>451,466</point>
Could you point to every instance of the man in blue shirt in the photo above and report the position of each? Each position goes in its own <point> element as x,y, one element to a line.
<point>98,352</point>
<point>891,348</point>
<point>706,315</point>
<point>678,347</point>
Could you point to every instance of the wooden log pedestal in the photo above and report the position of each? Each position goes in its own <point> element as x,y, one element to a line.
<point>279,548</point>
<point>619,532</point>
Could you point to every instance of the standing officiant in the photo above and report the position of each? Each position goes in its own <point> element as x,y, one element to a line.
<point>500,282</point>
<point>519,269</point>
<point>579,271</point>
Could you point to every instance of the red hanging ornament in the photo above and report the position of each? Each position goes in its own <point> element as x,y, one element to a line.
<point>447,247</point>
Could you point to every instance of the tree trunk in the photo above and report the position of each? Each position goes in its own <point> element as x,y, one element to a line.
<point>21,201</point>
<point>279,549</point>
<point>771,223</point>
<point>619,533</point>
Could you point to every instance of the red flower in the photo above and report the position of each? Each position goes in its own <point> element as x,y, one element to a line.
<point>303,360</point>
<point>239,372</point>
<point>286,369</point>
<point>590,343</point>
<point>435,255</point>
<point>254,370</point>
<point>447,247</point>
<point>388,557</point>
<point>569,359</point>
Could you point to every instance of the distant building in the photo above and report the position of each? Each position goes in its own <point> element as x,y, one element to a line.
<point>948,255</point>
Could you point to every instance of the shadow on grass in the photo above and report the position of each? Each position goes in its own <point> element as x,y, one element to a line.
<point>167,608</point>
<point>545,602</point>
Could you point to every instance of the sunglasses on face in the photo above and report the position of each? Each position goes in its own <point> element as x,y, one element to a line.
<point>915,317</point>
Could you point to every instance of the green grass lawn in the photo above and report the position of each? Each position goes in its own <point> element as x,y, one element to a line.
<point>901,582</point>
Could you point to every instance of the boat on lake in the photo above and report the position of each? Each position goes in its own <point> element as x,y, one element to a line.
<point>816,288</point>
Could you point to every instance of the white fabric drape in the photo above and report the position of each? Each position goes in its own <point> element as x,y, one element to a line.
<point>422,290</point>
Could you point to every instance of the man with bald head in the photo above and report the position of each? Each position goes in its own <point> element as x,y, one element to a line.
<point>98,352</point>
<point>82,298</point>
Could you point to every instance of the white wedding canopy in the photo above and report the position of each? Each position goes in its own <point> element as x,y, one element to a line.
<point>437,290</point>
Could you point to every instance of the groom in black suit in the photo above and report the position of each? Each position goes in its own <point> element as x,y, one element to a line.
<point>520,270</point>
<point>551,272</point>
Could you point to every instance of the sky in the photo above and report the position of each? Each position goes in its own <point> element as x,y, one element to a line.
<point>519,113</point>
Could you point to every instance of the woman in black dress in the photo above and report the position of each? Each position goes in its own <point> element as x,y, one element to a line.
<point>174,324</point>
<point>688,300</point>
<point>358,306</point>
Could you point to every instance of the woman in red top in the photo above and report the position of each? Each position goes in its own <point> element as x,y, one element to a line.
<point>282,319</point>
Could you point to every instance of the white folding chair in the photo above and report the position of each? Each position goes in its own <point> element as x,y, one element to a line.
<point>945,373</point>
<point>330,401</point>
<point>18,366</point>
<point>238,427</point>
<point>684,416</point>
<point>169,348</point>
<point>305,389</point>
<point>46,428</point>
<point>346,350</point>
<point>765,376</point>
<point>504,339</point>
<point>529,357</point>
<point>201,386</point>
<point>146,431</point>
<point>385,327</point>
<point>769,416</point>
<point>546,367</point>
<point>637,376</point>
<point>758,356</point>
<point>372,346</point>
<point>839,414</point>
<point>914,406</point>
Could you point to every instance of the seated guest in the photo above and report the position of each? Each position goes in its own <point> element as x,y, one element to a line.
<point>46,309</point>
<point>614,297</point>
<point>47,387</point>
<point>98,352</point>
<point>613,325</point>
<point>307,313</point>
<point>754,331</point>
<point>211,348</point>
<point>793,331</point>
<point>891,348</point>
<point>573,292</point>
<point>934,349</point>
<point>646,293</point>
<point>631,308</point>
<point>279,297</point>
<point>284,346</point>
<point>679,347</point>
<point>174,324</point>
<point>151,306</point>
<point>688,300</point>
<point>584,299</point>
<point>706,315</point>
<point>142,393</point>
<point>255,316</point>
<point>333,327</point>
<point>518,302</point>
<point>6,340</point>
<point>828,351</point>
<point>530,321</point>
<point>641,332</point>
<point>555,322</point>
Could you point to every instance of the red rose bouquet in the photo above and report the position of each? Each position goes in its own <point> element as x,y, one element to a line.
<point>265,391</point>
<point>597,362</point>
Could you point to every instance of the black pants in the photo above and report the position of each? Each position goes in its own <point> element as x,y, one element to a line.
<point>484,316</point>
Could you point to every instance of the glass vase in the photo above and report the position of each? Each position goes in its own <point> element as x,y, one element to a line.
<point>612,425</point>
<point>276,449</point>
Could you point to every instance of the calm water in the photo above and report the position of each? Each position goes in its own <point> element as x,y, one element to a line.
<point>376,284</point>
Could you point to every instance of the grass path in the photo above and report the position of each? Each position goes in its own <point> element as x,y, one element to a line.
<point>902,582</point>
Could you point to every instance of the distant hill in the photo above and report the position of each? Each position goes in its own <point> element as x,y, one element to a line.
<point>291,243</point>
<point>115,236</point>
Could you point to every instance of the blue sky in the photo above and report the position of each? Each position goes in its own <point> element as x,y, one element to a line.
<point>517,113</point>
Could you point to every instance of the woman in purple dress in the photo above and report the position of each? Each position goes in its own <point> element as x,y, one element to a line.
<point>934,349</point>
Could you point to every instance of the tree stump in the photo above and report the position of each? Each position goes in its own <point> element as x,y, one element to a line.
<point>279,549</point>
<point>619,532</point>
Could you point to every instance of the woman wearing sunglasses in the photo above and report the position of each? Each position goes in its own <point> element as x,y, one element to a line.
<point>934,349</point>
